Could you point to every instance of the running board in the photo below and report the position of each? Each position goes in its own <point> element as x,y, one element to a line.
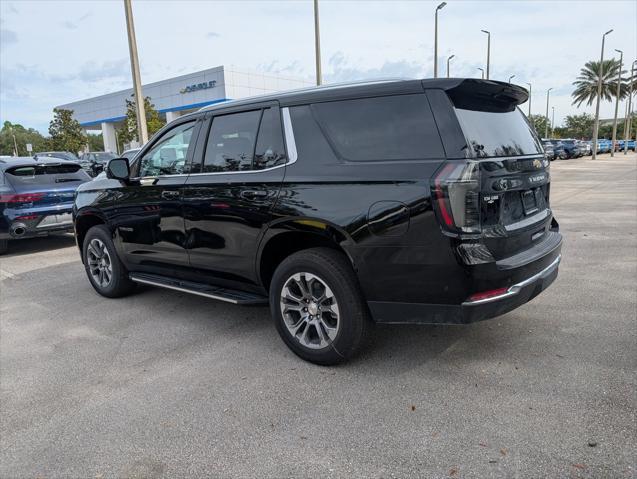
<point>214,292</point>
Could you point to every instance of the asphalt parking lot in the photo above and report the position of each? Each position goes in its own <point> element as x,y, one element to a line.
<point>164,384</point>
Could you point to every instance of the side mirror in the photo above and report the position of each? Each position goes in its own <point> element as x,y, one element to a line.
<point>118,169</point>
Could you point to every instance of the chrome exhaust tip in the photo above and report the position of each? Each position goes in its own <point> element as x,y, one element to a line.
<point>18,230</point>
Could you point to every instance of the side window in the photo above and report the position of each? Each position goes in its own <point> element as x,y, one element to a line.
<point>397,127</point>
<point>168,155</point>
<point>231,142</point>
<point>269,151</point>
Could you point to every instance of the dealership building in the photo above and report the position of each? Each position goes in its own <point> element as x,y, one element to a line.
<point>177,96</point>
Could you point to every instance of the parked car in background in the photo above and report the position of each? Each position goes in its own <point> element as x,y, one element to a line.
<point>571,148</point>
<point>391,201</point>
<point>558,147</point>
<point>549,150</point>
<point>36,196</point>
<point>585,147</point>
<point>63,155</point>
<point>604,145</point>
<point>94,162</point>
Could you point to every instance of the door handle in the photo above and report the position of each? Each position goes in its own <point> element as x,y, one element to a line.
<point>254,194</point>
<point>169,194</point>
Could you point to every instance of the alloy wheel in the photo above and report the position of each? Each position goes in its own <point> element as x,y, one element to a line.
<point>99,263</point>
<point>310,311</point>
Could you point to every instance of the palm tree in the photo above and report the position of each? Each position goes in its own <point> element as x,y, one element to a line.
<point>586,83</point>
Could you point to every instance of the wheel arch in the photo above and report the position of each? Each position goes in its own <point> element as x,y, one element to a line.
<point>291,236</point>
<point>84,221</point>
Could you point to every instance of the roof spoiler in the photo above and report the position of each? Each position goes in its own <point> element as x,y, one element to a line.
<point>487,95</point>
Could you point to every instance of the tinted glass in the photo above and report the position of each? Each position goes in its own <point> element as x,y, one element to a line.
<point>231,142</point>
<point>269,151</point>
<point>385,128</point>
<point>168,155</point>
<point>46,174</point>
<point>498,133</point>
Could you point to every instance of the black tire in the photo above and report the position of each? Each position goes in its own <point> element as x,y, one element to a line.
<point>334,269</point>
<point>4,246</point>
<point>119,284</point>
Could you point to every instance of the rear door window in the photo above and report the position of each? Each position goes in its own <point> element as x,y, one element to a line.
<point>397,127</point>
<point>491,133</point>
<point>231,142</point>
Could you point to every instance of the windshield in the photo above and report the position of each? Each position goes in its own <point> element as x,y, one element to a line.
<point>491,133</point>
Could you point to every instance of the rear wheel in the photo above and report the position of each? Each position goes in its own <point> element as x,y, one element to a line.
<point>105,271</point>
<point>4,246</point>
<point>317,306</point>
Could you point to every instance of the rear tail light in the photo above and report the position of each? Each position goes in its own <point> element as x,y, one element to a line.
<point>21,198</point>
<point>456,194</point>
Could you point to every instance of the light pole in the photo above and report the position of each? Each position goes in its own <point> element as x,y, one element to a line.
<point>317,43</point>
<point>439,7</point>
<point>142,130</point>
<point>546,130</point>
<point>619,81</point>
<point>448,60</point>
<point>511,78</point>
<point>482,70</point>
<point>552,120</point>
<point>599,94</point>
<point>628,120</point>
<point>530,91</point>
<point>488,49</point>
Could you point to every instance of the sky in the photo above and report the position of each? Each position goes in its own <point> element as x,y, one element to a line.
<point>55,52</point>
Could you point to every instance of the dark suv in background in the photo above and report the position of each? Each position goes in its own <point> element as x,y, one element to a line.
<point>395,202</point>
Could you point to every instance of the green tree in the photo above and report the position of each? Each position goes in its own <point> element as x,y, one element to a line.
<point>579,126</point>
<point>128,131</point>
<point>22,137</point>
<point>66,132</point>
<point>95,142</point>
<point>539,124</point>
<point>586,82</point>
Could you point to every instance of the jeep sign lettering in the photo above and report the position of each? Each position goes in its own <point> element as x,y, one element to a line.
<point>199,86</point>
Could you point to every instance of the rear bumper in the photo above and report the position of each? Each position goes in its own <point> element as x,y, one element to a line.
<point>31,223</point>
<point>520,291</point>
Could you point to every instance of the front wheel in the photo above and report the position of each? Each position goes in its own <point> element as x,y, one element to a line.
<point>318,307</point>
<point>105,271</point>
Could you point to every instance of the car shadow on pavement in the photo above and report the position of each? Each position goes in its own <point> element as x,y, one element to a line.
<point>36,245</point>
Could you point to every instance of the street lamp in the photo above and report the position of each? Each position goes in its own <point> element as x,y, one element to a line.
<point>546,130</point>
<point>530,90</point>
<point>142,130</point>
<point>628,119</point>
<point>619,81</point>
<point>317,43</point>
<point>599,94</point>
<point>482,70</point>
<point>488,49</point>
<point>511,78</point>
<point>552,120</point>
<point>439,7</point>
<point>448,59</point>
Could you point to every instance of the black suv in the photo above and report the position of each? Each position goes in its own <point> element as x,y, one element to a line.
<point>415,201</point>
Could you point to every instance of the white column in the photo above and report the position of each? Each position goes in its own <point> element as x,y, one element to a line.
<point>110,141</point>
<point>172,115</point>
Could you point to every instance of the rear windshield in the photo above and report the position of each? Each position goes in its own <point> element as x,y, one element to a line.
<point>498,133</point>
<point>43,174</point>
